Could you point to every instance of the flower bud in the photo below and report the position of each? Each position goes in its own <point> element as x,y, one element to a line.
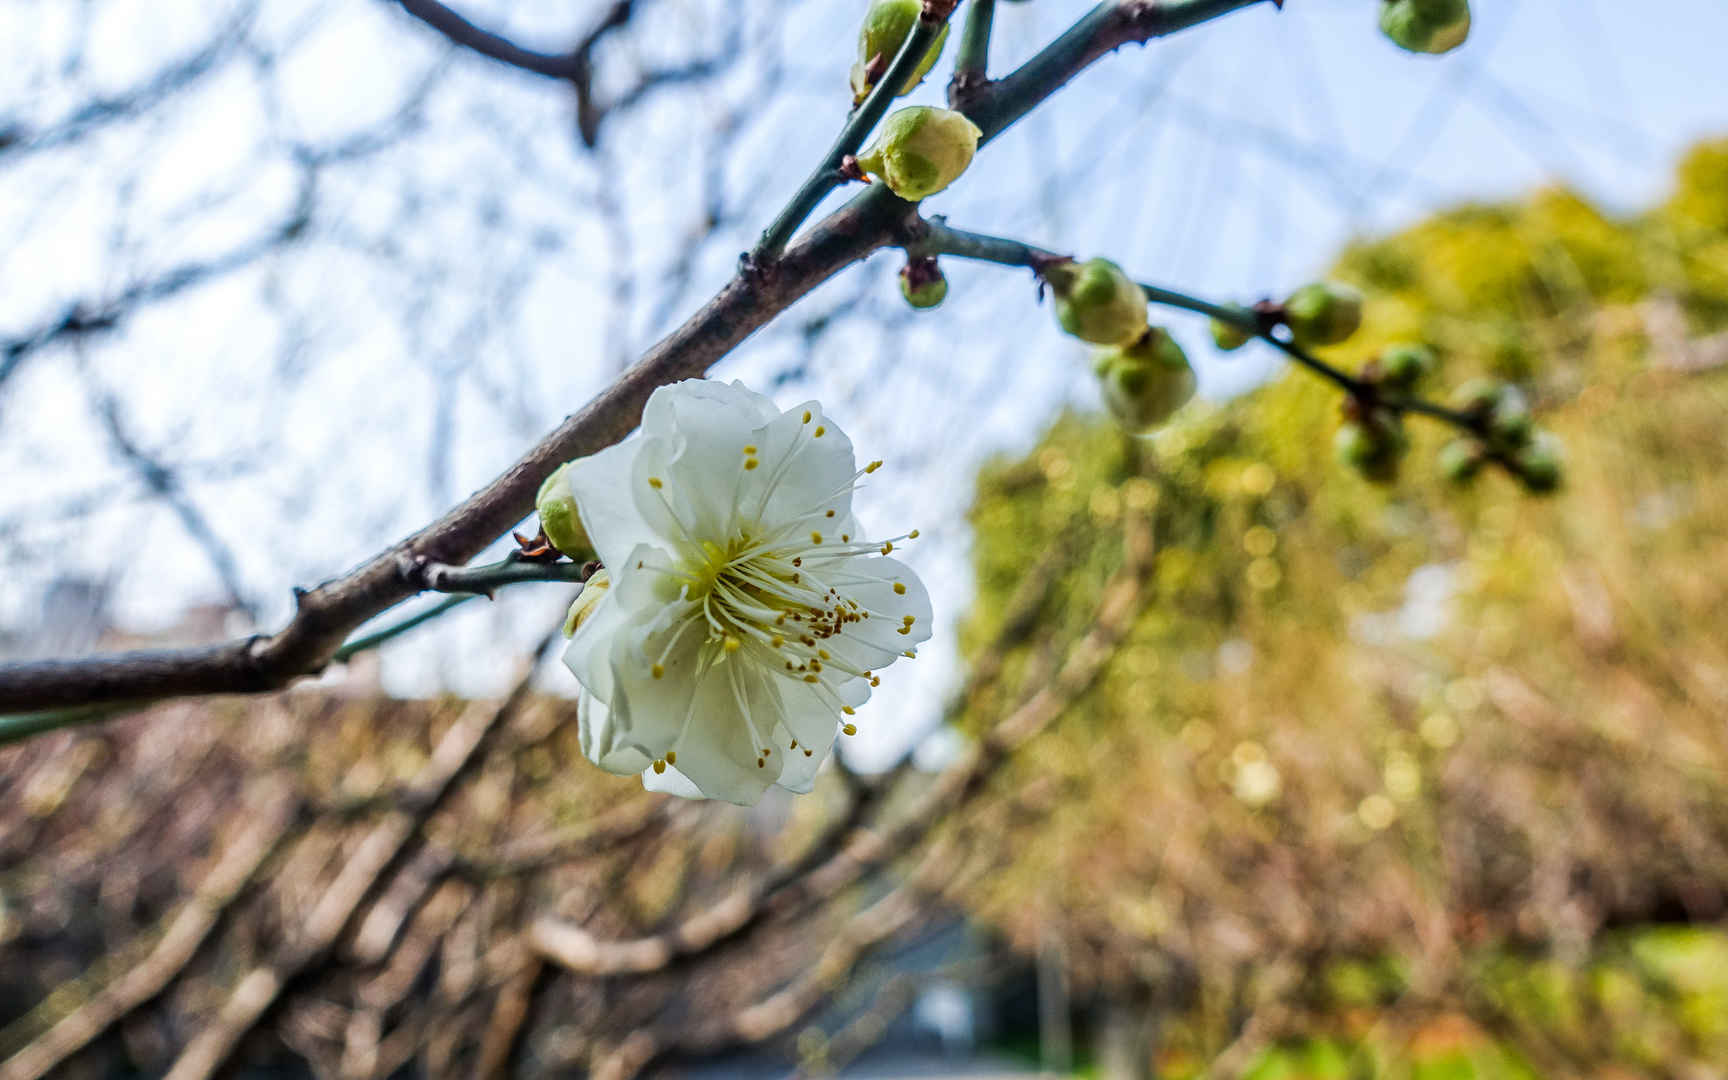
<point>558,518</point>
<point>1372,445</point>
<point>920,150</point>
<point>1539,464</point>
<point>1146,382</point>
<point>1096,301</point>
<point>1229,336</point>
<point>593,591</point>
<point>887,25</point>
<point>923,284</point>
<point>1477,396</point>
<point>1460,461</point>
<point>1324,313</point>
<point>1426,26</point>
<point>1510,421</point>
<point>1402,367</point>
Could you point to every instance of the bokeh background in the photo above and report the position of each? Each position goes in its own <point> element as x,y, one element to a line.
<point>1221,760</point>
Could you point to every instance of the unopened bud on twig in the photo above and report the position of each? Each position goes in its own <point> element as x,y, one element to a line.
<point>1403,367</point>
<point>887,25</point>
<point>921,150</point>
<point>1230,336</point>
<point>1426,26</point>
<point>1539,464</point>
<point>558,518</point>
<point>592,592</point>
<point>1324,313</point>
<point>1373,444</point>
<point>1097,301</point>
<point>923,284</point>
<point>1461,460</point>
<point>1146,382</point>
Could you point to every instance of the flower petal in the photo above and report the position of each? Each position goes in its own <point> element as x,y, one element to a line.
<point>604,501</point>
<point>802,475</point>
<point>599,736</point>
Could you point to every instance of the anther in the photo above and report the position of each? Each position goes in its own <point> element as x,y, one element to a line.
<point>899,588</point>
<point>812,679</point>
<point>776,641</point>
<point>849,710</point>
<point>750,463</point>
<point>887,546</point>
<point>654,482</point>
<point>815,537</point>
<point>873,466</point>
<point>761,763</point>
<point>819,432</point>
<point>659,766</point>
<point>731,644</point>
<point>659,671</point>
<point>829,514</point>
<point>850,729</point>
<point>913,535</point>
<point>671,757</point>
<point>749,451</point>
<point>806,416</point>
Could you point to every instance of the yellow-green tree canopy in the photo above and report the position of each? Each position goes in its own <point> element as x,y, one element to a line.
<point>1363,720</point>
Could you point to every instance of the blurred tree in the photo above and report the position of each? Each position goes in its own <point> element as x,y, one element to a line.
<point>1409,725</point>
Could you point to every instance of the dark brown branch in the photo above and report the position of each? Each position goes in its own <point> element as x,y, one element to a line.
<point>327,615</point>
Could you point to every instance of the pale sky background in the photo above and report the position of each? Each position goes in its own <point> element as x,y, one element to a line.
<point>471,273</point>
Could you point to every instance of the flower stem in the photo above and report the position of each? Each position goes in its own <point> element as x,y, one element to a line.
<point>933,236</point>
<point>970,65</point>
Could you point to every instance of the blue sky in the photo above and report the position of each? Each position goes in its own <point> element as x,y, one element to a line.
<point>482,275</point>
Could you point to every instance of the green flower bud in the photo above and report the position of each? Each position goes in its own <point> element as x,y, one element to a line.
<point>1229,336</point>
<point>1426,26</point>
<point>589,599</point>
<point>558,517</point>
<point>1477,395</point>
<point>887,25</point>
<point>1373,446</point>
<point>1097,302</point>
<point>923,284</point>
<point>920,150</point>
<point>1460,461</point>
<point>1402,367</point>
<point>1324,313</point>
<point>1146,382</point>
<point>1539,464</point>
<point>1510,421</point>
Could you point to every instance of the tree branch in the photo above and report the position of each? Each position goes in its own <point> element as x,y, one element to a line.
<point>828,176</point>
<point>327,615</point>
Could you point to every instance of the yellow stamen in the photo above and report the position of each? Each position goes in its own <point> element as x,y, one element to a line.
<point>732,644</point>
<point>829,514</point>
<point>873,466</point>
<point>913,535</point>
<point>671,757</point>
<point>899,588</point>
<point>811,679</point>
<point>815,538</point>
<point>659,767</point>
<point>659,671</point>
<point>820,431</point>
<point>850,729</point>
<point>654,482</point>
<point>806,416</point>
<point>749,450</point>
<point>849,710</point>
<point>750,463</point>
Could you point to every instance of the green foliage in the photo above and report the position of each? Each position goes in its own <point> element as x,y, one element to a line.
<point>1274,767</point>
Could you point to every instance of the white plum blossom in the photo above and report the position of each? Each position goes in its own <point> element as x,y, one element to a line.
<point>745,615</point>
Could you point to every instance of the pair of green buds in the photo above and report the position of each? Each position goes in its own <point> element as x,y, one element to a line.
<point>1143,373</point>
<point>922,149</point>
<point>1320,314</point>
<point>1508,433</point>
<point>1371,440</point>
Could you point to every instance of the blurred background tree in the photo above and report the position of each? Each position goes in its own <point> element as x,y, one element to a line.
<point>1253,768</point>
